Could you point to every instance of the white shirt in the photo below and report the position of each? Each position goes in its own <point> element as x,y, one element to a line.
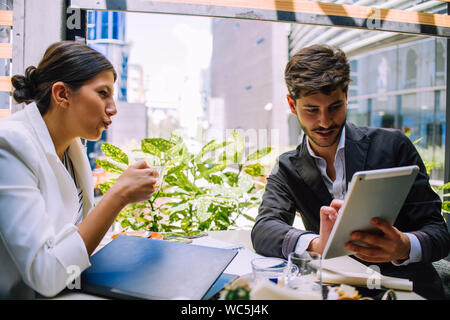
<point>338,189</point>
<point>39,243</point>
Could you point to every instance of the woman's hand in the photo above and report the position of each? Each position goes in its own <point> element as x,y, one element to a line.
<point>328,217</point>
<point>136,183</point>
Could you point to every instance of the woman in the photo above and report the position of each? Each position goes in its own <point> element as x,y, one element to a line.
<point>46,187</point>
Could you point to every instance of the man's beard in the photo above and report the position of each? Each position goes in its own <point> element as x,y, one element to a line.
<point>310,136</point>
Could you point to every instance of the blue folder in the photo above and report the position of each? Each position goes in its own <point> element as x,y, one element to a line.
<point>140,268</point>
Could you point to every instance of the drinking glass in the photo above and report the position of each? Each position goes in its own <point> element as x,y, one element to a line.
<point>160,177</point>
<point>159,169</point>
<point>272,269</point>
<point>308,277</point>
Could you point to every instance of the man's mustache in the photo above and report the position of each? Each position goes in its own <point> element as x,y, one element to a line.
<point>319,129</point>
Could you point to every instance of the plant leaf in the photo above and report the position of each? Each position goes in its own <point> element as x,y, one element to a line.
<point>156,145</point>
<point>114,152</point>
<point>111,165</point>
<point>202,209</point>
<point>175,139</point>
<point>216,179</point>
<point>232,177</point>
<point>104,187</point>
<point>148,147</point>
<point>179,179</point>
<point>445,186</point>
<point>259,154</point>
<point>234,149</point>
<point>210,147</point>
<point>245,183</point>
<point>255,170</point>
<point>206,171</point>
<point>446,206</point>
<point>237,146</point>
<point>176,153</point>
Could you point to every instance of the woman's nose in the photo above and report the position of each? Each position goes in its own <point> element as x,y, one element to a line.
<point>111,109</point>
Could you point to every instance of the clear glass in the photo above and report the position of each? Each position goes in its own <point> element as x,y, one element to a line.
<point>307,279</point>
<point>201,84</point>
<point>402,86</point>
<point>160,178</point>
<point>160,169</point>
<point>272,269</point>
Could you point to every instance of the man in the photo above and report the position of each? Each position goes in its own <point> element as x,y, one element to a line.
<point>313,180</point>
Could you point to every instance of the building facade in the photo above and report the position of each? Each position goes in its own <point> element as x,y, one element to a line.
<point>247,82</point>
<point>106,34</point>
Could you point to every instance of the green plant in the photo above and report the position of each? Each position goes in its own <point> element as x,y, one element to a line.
<point>429,166</point>
<point>207,190</point>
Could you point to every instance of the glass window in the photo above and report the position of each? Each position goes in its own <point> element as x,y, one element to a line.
<point>91,17</point>
<point>4,100</point>
<point>354,65</point>
<point>398,81</point>
<point>411,69</point>
<point>105,25</point>
<point>440,62</point>
<point>116,25</point>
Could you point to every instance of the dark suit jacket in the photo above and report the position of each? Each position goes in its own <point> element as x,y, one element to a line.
<point>296,185</point>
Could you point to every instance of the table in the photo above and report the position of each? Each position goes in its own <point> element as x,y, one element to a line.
<point>222,239</point>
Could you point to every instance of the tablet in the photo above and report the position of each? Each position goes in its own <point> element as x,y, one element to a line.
<point>375,193</point>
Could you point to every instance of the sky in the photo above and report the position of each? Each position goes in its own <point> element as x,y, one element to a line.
<point>172,50</point>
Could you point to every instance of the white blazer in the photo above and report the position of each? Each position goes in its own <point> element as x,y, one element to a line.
<point>40,246</point>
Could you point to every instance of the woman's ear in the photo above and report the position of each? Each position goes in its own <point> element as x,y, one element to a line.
<point>60,94</point>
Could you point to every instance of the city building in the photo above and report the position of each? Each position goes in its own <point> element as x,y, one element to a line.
<point>247,82</point>
<point>136,84</point>
<point>106,34</point>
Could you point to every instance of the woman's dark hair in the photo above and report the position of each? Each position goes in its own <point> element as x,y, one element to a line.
<point>70,62</point>
<point>317,69</point>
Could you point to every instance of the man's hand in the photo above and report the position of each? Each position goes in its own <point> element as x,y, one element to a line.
<point>328,216</point>
<point>392,245</point>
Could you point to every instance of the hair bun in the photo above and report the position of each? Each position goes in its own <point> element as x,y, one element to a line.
<point>25,86</point>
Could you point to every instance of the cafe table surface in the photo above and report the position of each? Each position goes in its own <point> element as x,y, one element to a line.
<point>238,239</point>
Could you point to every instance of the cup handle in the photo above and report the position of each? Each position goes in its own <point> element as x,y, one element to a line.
<point>294,270</point>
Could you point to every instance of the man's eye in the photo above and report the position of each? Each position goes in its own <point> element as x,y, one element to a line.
<point>311,110</point>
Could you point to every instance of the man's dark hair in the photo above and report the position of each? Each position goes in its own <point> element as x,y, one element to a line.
<point>317,69</point>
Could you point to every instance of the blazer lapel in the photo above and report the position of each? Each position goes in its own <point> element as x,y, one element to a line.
<point>77,154</point>
<point>356,147</point>
<point>66,184</point>
<point>310,174</point>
